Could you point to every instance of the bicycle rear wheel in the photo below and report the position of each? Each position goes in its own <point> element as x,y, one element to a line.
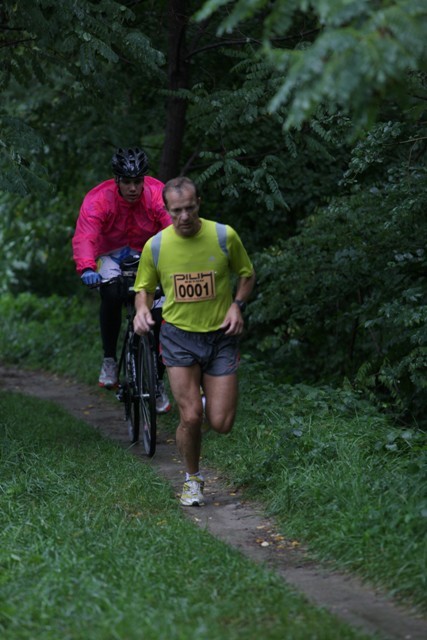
<point>147,394</point>
<point>129,388</point>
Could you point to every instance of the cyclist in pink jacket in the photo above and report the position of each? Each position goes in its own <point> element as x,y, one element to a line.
<point>116,219</point>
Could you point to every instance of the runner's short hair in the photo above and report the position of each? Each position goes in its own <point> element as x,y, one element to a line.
<point>179,184</point>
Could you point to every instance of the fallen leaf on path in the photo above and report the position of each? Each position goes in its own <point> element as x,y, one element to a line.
<point>277,536</point>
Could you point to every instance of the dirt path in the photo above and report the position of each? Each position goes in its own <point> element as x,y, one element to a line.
<point>230,518</point>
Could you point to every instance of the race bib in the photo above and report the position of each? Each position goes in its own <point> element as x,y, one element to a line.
<point>194,287</point>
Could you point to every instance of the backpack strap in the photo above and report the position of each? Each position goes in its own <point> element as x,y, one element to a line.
<point>155,247</point>
<point>221,232</point>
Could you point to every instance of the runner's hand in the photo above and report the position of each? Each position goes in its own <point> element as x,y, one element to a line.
<point>90,278</point>
<point>143,321</point>
<point>233,322</point>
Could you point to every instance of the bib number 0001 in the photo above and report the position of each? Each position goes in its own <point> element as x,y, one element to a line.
<point>194,287</point>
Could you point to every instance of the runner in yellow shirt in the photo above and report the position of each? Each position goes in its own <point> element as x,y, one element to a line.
<point>194,260</point>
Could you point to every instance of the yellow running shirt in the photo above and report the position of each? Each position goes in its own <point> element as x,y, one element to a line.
<point>195,273</point>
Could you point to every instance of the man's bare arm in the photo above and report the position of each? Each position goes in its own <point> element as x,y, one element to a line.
<point>233,321</point>
<point>245,287</point>
<point>143,321</point>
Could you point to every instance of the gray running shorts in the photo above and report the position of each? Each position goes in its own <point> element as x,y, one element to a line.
<point>216,353</point>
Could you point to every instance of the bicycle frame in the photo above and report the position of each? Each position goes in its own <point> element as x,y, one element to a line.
<point>137,375</point>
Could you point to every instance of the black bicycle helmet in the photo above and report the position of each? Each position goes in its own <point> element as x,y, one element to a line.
<point>130,163</point>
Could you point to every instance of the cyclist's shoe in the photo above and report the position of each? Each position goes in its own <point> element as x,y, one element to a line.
<point>192,493</point>
<point>108,377</point>
<point>163,404</point>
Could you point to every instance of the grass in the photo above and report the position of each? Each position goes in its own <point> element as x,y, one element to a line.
<point>93,545</point>
<point>334,472</point>
<point>53,333</point>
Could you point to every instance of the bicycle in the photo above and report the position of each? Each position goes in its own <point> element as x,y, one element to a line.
<point>138,378</point>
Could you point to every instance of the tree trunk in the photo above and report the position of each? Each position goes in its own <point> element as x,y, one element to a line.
<point>178,74</point>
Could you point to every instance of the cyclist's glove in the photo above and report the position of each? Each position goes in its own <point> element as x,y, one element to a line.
<point>91,278</point>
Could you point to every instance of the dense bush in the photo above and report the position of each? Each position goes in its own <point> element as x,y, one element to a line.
<point>347,296</point>
<point>46,333</point>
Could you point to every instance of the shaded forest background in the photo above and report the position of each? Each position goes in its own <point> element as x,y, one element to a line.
<point>305,126</point>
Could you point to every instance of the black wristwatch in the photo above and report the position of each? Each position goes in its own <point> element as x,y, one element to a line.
<point>242,305</point>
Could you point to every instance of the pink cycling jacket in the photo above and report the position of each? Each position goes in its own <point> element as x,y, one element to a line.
<point>107,222</point>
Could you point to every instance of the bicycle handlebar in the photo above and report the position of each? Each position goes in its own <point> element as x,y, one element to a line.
<point>121,278</point>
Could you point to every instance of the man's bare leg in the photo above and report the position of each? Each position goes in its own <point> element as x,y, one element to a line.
<point>221,401</point>
<point>185,386</point>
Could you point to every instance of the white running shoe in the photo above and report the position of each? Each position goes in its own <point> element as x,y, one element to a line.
<point>192,493</point>
<point>163,404</point>
<point>108,377</point>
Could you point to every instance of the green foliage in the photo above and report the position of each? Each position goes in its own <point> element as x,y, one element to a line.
<point>20,170</point>
<point>335,473</point>
<point>362,52</point>
<point>83,34</point>
<point>253,174</point>
<point>46,332</point>
<point>53,53</point>
<point>36,239</point>
<point>346,297</point>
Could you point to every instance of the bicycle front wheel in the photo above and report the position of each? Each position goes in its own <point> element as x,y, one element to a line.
<point>147,395</point>
<point>129,389</point>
